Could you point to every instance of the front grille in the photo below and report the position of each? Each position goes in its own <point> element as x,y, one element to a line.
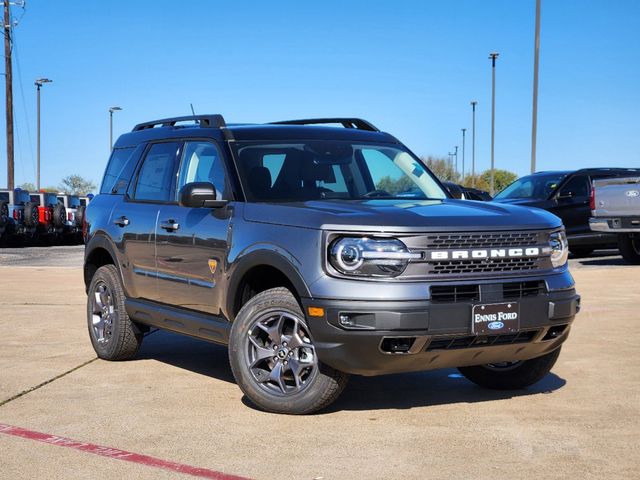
<point>448,267</point>
<point>471,293</point>
<point>469,341</point>
<point>495,261</point>
<point>523,289</point>
<point>482,239</point>
<point>455,293</point>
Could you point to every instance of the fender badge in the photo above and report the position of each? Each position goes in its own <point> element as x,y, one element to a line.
<point>633,193</point>
<point>213,264</point>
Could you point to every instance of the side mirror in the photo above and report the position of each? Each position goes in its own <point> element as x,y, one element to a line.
<point>565,195</point>
<point>200,195</point>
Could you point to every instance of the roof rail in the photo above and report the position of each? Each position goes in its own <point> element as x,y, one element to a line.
<point>357,123</point>
<point>206,121</point>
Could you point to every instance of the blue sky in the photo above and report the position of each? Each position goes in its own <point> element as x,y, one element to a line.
<point>410,67</point>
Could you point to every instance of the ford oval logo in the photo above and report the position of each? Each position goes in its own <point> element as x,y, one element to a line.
<point>495,325</point>
<point>633,193</point>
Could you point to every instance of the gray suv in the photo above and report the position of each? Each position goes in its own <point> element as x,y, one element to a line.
<point>316,249</point>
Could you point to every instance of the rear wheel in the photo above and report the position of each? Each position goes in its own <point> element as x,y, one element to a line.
<point>511,375</point>
<point>113,334</point>
<point>630,248</point>
<point>274,360</point>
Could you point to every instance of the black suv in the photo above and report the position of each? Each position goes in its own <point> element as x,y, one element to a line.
<point>297,244</point>
<point>566,194</point>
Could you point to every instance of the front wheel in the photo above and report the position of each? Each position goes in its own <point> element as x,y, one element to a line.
<point>511,375</point>
<point>274,360</point>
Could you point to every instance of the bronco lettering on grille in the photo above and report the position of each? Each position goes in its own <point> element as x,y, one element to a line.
<point>483,253</point>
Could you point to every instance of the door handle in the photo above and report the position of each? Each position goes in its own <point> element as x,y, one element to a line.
<point>121,221</point>
<point>170,225</point>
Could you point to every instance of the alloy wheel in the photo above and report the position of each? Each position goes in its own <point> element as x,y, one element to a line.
<point>103,313</point>
<point>280,355</point>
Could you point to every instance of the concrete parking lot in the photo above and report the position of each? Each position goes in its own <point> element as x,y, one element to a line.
<point>177,402</point>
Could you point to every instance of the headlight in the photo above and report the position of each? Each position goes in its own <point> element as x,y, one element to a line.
<point>559,248</point>
<point>373,257</point>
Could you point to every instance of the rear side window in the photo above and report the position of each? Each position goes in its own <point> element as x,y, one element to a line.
<point>156,174</point>
<point>4,197</point>
<point>35,199</point>
<point>119,171</point>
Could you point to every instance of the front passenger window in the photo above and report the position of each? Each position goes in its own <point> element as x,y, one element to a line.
<point>202,162</point>
<point>577,186</point>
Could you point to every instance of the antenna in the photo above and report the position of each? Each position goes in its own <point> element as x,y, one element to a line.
<point>193,112</point>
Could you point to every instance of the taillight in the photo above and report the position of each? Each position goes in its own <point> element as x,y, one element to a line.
<point>16,215</point>
<point>592,198</point>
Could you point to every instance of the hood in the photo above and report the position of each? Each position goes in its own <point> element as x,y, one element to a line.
<point>401,215</point>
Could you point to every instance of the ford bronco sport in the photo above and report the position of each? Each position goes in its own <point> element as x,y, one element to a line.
<point>21,216</point>
<point>315,252</point>
<point>52,216</point>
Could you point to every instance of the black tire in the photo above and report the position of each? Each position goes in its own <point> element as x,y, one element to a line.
<point>322,384</point>
<point>580,252</point>
<point>514,376</point>
<point>80,215</point>
<point>4,214</point>
<point>59,215</point>
<point>31,215</point>
<point>630,248</point>
<point>119,339</point>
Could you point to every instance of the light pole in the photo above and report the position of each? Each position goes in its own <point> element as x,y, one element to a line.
<point>492,57</point>
<point>473,143</point>
<point>451,161</point>
<point>463,140</point>
<point>534,120</point>
<point>111,110</point>
<point>39,82</point>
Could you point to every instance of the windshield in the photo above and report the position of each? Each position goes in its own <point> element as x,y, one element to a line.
<point>326,170</point>
<point>537,187</point>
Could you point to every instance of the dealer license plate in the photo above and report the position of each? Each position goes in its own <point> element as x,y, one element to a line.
<point>495,318</point>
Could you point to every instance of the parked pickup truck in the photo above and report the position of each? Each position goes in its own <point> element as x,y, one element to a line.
<point>615,208</point>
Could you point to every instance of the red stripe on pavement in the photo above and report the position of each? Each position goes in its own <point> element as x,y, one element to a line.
<point>115,453</point>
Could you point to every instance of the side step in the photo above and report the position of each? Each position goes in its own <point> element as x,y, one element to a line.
<point>194,324</point>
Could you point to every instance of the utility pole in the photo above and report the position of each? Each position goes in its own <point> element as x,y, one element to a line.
<point>463,134</point>
<point>9,93</point>
<point>39,83</point>
<point>473,143</point>
<point>534,120</point>
<point>455,154</point>
<point>492,57</point>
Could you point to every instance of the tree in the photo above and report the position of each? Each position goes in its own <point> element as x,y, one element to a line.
<point>502,178</point>
<point>442,168</point>
<point>389,185</point>
<point>28,186</point>
<point>76,185</point>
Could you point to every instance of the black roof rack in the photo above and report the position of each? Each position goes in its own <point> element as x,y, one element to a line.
<point>206,121</point>
<point>357,123</point>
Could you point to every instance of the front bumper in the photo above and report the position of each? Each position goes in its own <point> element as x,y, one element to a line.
<point>615,224</point>
<point>436,334</point>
